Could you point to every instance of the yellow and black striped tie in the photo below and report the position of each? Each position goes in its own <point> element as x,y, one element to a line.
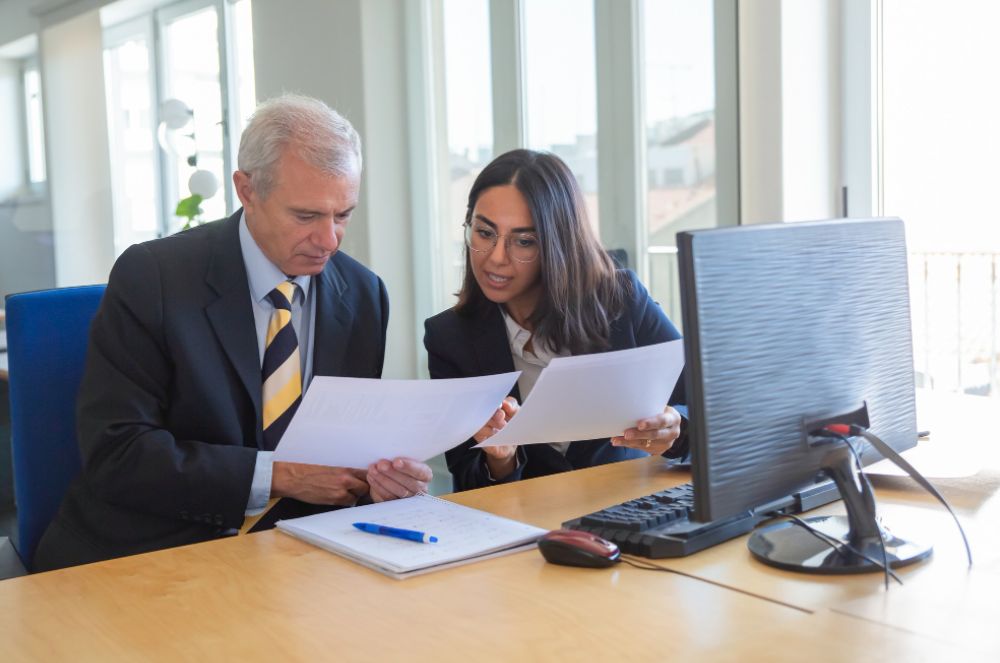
<point>282,371</point>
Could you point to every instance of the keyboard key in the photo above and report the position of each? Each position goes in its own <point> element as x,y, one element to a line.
<point>659,525</point>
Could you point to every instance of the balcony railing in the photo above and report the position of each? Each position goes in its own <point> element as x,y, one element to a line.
<point>954,306</point>
<point>955,311</point>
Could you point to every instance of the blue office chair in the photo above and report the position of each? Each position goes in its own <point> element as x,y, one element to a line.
<point>47,335</point>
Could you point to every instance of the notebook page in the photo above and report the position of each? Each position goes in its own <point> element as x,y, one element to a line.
<point>463,533</point>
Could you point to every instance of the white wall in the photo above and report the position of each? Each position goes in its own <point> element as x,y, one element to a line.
<point>389,218</point>
<point>77,149</point>
<point>350,54</point>
<point>25,17</point>
<point>18,20</point>
<point>26,257</point>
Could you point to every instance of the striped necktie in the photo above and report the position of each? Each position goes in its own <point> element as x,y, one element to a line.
<point>282,371</point>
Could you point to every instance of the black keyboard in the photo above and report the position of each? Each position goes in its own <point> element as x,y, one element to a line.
<point>660,525</point>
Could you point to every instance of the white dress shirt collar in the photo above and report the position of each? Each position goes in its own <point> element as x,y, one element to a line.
<point>540,353</point>
<point>262,274</point>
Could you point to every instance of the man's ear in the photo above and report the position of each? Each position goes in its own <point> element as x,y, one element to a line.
<point>244,189</point>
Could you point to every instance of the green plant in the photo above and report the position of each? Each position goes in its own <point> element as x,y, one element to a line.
<point>190,208</point>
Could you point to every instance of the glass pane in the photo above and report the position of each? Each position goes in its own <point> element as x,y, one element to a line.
<point>469,108</point>
<point>939,138</point>
<point>134,184</point>
<point>244,94</point>
<point>33,113</point>
<point>191,68</point>
<point>679,78</point>
<point>561,87</point>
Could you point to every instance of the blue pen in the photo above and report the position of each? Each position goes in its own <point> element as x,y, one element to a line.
<point>408,534</point>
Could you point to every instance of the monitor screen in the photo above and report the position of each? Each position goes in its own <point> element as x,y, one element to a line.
<point>784,325</point>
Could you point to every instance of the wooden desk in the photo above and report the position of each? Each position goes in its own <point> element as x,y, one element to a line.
<point>940,597</point>
<point>269,596</point>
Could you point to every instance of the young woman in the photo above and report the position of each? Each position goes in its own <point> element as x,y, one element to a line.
<point>539,285</point>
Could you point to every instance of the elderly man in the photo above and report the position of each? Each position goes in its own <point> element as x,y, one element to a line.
<point>204,344</point>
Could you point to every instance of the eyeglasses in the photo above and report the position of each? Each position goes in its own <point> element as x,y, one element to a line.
<point>521,246</point>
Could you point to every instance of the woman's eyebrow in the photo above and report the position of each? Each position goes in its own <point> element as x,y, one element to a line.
<point>527,229</point>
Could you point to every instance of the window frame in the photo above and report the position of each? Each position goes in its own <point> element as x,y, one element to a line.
<point>162,17</point>
<point>151,24</point>
<point>113,37</point>
<point>861,72</point>
<point>35,189</point>
<point>621,130</point>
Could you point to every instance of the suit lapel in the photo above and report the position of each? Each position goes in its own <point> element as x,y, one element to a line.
<point>231,314</point>
<point>333,321</point>
<point>492,348</point>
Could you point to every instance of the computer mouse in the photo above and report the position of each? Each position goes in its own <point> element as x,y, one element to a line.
<point>575,548</point>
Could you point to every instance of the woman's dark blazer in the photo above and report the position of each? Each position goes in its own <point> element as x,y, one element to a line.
<point>460,346</point>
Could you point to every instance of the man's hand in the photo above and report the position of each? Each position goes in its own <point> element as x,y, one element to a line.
<point>318,484</point>
<point>401,477</point>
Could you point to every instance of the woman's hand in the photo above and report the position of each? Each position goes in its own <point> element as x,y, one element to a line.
<point>501,460</point>
<point>654,435</point>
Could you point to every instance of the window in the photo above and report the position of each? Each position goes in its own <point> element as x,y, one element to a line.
<point>560,86</point>
<point>469,120</point>
<point>191,74</point>
<point>680,117</point>
<point>33,122</point>
<point>243,93</point>
<point>679,79</point>
<point>179,54</point>
<point>545,74</point>
<point>937,135</point>
<point>131,130</point>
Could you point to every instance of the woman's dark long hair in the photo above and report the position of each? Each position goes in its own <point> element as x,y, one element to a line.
<point>581,290</point>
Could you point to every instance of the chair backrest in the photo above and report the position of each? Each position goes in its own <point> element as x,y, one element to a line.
<point>47,335</point>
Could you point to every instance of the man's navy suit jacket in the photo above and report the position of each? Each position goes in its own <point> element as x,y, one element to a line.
<point>169,409</point>
<point>460,346</point>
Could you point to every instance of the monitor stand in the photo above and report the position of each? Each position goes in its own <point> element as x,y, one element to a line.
<point>789,546</point>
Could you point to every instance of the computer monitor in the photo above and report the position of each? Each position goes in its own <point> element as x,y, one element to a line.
<point>788,327</point>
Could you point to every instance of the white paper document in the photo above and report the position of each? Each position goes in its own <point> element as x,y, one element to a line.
<point>592,396</point>
<point>351,422</point>
<point>464,534</point>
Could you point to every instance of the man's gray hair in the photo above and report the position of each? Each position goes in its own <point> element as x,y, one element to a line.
<point>320,136</point>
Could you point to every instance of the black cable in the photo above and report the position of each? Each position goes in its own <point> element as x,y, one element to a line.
<point>893,455</point>
<point>832,541</point>
<point>866,484</point>
<point>839,545</point>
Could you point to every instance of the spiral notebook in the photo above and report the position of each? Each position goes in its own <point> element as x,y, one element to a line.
<point>464,535</point>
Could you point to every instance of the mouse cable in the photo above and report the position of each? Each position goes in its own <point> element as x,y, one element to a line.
<point>646,565</point>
